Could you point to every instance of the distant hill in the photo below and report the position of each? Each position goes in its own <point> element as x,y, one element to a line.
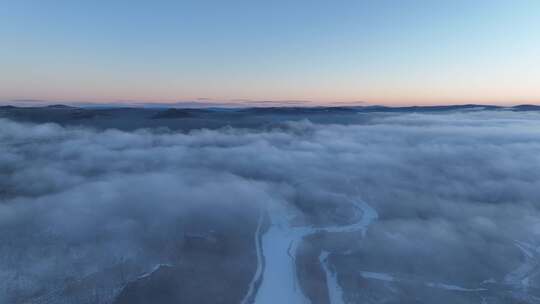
<point>526,107</point>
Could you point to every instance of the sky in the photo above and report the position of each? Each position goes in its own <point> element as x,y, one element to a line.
<point>311,52</point>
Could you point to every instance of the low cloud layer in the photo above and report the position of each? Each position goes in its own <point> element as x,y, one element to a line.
<point>454,191</point>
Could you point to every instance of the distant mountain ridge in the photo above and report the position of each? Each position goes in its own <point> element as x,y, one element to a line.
<point>130,118</point>
<point>296,109</point>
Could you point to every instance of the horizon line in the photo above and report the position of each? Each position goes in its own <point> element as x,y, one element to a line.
<point>26,103</point>
<point>244,103</point>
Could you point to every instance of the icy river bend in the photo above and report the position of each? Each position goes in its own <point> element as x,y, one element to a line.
<point>276,253</point>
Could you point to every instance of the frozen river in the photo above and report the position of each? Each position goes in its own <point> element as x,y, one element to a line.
<point>277,250</point>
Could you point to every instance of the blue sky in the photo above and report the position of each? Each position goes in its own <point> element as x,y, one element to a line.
<point>380,52</point>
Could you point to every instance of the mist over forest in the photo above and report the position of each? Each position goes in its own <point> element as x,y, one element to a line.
<point>93,213</point>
